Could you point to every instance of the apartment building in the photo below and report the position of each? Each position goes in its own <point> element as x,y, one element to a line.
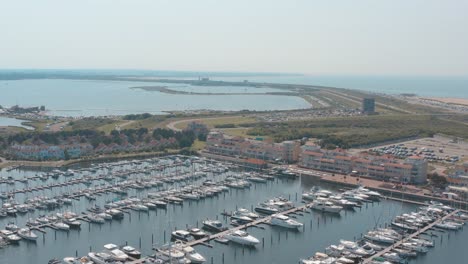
<point>221,144</point>
<point>410,170</point>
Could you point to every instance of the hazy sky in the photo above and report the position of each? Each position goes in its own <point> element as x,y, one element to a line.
<point>393,37</point>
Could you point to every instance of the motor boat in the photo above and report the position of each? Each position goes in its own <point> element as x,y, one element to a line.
<point>115,253</point>
<point>27,234</point>
<point>182,235</point>
<point>392,257</point>
<point>257,179</point>
<point>140,207</point>
<point>241,218</point>
<point>415,247</point>
<point>379,238</point>
<point>11,227</point>
<point>94,218</point>
<point>190,196</point>
<point>115,213</point>
<point>175,254</point>
<point>245,212</point>
<point>61,226</point>
<point>42,220</point>
<point>100,257</point>
<point>263,208</point>
<point>72,222</point>
<point>448,225</point>
<point>72,260</point>
<point>285,221</point>
<point>131,252</point>
<point>197,233</point>
<point>10,236</point>
<point>346,204</point>
<point>160,204</point>
<point>32,222</point>
<point>405,226</point>
<point>242,238</point>
<point>319,258</point>
<point>326,206</point>
<point>105,216</point>
<point>423,242</point>
<point>189,252</point>
<point>214,226</point>
<point>405,253</point>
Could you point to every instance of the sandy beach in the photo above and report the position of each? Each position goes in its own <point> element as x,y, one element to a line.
<point>448,100</point>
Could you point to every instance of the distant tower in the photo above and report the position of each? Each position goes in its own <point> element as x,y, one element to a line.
<point>368,105</point>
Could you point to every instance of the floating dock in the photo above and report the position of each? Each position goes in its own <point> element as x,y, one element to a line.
<point>415,234</point>
<point>204,241</point>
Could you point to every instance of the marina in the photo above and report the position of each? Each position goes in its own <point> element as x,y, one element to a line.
<point>158,196</point>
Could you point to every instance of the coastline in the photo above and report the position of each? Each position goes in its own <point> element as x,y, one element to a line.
<point>448,100</point>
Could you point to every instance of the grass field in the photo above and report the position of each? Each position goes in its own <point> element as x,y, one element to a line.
<point>360,131</point>
<point>198,145</point>
<point>238,131</point>
<point>212,122</point>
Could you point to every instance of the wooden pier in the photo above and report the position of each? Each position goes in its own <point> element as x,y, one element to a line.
<point>405,239</point>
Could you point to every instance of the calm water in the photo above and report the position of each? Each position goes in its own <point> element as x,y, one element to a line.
<point>7,121</point>
<point>86,98</point>
<point>424,86</point>
<point>280,246</point>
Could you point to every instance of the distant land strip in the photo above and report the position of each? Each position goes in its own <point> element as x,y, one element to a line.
<point>164,89</point>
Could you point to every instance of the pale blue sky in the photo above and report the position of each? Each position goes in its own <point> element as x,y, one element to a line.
<point>392,37</point>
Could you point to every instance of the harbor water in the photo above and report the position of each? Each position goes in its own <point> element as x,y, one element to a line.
<point>146,230</point>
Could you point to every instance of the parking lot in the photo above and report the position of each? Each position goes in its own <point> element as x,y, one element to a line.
<point>436,149</point>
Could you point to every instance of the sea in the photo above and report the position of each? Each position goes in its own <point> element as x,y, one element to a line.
<point>452,87</point>
<point>145,230</point>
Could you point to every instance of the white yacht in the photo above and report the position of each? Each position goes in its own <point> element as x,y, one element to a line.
<point>264,208</point>
<point>94,218</point>
<point>285,221</point>
<point>242,237</point>
<point>132,252</point>
<point>115,253</point>
<point>72,222</point>
<point>214,226</point>
<point>380,238</point>
<point>71,260</point>
<point>326,206</point>
<point>176,255</point>
<point>61,226</point>
<point>197,233</point>
<point>193,255</point>
<point>27,234</point>
<point>241,218</point>
<point>182,235</point>
<point>11,227</point>
<point>245,212</point>
<point>100,258</point>
<point>190,253</point>
<point>415,246</point>
<point>10,236</point>
<point>105,216</point>
<point>190,196</point>
<point>140,207</point>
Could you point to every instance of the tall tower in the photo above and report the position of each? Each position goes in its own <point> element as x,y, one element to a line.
<point>368,105</point>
